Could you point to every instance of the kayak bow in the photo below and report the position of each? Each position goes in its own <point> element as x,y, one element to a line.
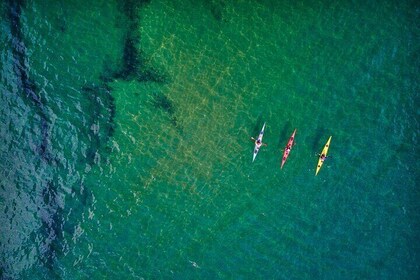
<point>324,152</point>
<point>260,137</point>
<point>288,148</point>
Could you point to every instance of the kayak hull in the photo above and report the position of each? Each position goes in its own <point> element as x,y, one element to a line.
<point>286,152</point>
<point>324,152</point>
<point>256,148</point>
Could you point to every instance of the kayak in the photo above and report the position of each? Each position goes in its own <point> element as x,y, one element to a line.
<point>260,137</point>
<point>286,150</point>
<point>324,152</point>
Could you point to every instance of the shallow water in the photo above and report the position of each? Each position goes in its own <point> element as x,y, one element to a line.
<point>125,147</point>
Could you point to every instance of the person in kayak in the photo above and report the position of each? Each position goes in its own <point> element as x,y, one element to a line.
<point>323,157</point>
<point>258,142</point>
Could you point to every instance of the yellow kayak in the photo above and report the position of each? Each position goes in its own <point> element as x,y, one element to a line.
<point>323,155</point>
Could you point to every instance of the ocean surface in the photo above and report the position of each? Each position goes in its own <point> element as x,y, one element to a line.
<point>125,147</point>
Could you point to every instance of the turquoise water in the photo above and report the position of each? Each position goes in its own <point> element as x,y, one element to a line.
<point>125,150</point>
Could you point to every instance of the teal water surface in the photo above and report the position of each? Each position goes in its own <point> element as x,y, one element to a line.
<point>125,139</point>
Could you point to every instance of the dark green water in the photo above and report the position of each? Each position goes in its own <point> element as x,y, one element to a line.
<point>125,151</point>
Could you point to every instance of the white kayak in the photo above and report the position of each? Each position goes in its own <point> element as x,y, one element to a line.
<point>257,147</point>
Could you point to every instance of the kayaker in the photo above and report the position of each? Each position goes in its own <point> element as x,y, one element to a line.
<point>323,157</point>
<point>258,142</point>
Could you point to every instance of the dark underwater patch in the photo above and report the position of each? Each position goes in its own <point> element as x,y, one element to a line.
<point>51,225</point>
<point>131,7</point>
<point>134,63</point>
<point>161,101</point>
<point>51,215</point>
<point>61,23</point>
<point>100,127</point>
<point>217,8</point>
<point>44,147</point>
<point>19,51</point>
<point>216,12</point>
<point>27,85</point>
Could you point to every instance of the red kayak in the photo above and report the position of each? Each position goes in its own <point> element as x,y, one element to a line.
<point>288,148</point>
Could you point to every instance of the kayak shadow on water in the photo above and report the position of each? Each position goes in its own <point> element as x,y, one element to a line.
<point>321,136</point>
<point>284,135</point>
<point>258,125</point>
